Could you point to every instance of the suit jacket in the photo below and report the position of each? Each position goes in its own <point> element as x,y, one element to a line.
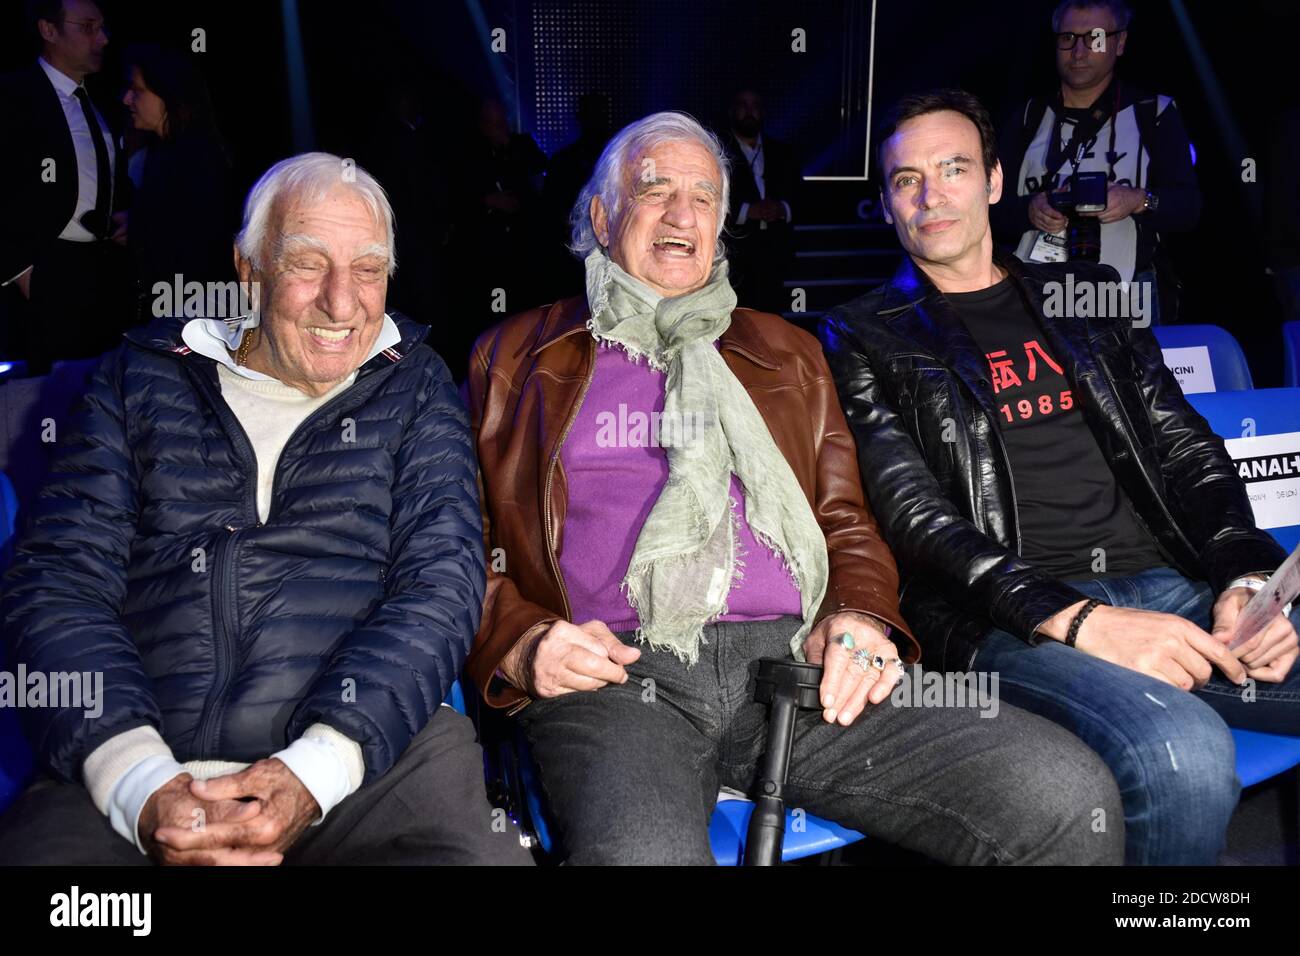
<point>35,130</point>
<point>781,177</point>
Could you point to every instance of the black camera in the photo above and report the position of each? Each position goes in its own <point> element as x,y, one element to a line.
<point>1083,192</point>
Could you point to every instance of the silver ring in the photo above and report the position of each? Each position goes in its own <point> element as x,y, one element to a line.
<point>862,658</point>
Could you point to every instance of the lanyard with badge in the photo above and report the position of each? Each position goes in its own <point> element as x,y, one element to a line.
<point>1050,247</point>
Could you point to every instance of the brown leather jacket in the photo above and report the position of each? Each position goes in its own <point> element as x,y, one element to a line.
<point>527,378</point>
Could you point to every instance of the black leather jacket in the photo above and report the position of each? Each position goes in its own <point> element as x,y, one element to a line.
<point>910,376</point>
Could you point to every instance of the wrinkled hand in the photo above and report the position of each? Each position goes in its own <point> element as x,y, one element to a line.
<point>1270,654</point>
<point>1042,215</point>
<point>846,688</point>
<point>283,809</point>
<point>1164,646</point>
<point>569,657</point>
<point>173,807</point>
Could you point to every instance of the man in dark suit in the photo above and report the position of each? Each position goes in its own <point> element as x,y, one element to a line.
<point>764,179</point>
<point>63,187</point>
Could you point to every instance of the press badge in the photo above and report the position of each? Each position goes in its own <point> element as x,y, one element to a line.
<point>1049,247</point>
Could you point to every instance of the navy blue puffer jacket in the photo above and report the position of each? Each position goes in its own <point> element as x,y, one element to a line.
<point>353,605</point>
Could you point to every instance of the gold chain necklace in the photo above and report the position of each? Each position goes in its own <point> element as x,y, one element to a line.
<point>245,346</point>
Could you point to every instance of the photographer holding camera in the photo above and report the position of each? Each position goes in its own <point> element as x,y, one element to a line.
<point>1099,168</point>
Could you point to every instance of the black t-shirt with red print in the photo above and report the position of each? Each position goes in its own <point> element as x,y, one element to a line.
<point>1075,520</point>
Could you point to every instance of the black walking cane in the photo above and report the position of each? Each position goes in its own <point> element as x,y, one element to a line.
<point>786,686</point>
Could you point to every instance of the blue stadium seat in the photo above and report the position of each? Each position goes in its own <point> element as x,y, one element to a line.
<point>1227,360</point>
<point>1291,354</point>
<point>15,756</point>
<point>805,834</point>
<point>1265,411</point>
<point>1271,411</point>
<point>1261,756</point>
<point>456,698</point>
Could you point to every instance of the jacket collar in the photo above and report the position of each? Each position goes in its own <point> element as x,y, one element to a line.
<point>569,317</point>
<point>915,308</point>
<point>165,335</point>
<point>911,285</point>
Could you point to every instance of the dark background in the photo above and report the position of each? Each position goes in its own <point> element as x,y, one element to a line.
<point>660,54</point>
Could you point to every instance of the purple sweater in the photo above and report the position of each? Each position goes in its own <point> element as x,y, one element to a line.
<point>613,485</point>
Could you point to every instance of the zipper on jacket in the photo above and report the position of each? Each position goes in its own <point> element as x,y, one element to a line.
<point>224,642</point>
<point>225,610</point>
<point>224,603</point>
<point>550,476</point>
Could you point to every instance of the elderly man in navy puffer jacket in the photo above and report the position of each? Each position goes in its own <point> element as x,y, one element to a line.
<point>264,533</point>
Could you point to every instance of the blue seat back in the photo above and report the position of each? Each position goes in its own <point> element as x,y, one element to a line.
<point>27,407</point>
<point>1261,429</point>
<point>1261,756</point>
<point>1227,361</point>
<point>15,755</point>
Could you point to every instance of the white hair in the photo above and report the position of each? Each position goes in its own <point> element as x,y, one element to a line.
<point>609,180</point>
<point>310,177</point>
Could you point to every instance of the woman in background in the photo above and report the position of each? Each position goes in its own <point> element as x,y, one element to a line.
<point>183,215</point>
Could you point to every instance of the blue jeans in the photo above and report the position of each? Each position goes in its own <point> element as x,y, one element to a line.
<point>1169,750</point>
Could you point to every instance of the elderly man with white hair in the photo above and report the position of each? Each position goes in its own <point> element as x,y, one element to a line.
<point>676,495</point>
<point>265,535</point>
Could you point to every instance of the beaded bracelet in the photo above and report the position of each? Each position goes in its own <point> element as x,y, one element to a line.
<point>1073,634</point>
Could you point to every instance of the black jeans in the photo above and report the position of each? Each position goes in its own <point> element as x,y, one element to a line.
<point>631,772</point>
<point>430,808</point>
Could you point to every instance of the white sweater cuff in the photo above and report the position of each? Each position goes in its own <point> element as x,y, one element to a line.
<point>123,772</point>
<point>328,763</point>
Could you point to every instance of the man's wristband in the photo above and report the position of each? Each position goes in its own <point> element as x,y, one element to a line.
<point>1253,582</point>
<point>1072,634</point>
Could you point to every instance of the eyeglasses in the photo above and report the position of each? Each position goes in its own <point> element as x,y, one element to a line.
<point>89,27</point>
<point>1066,41</point>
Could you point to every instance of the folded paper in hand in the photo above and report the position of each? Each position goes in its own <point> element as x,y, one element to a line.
<point>1281,589</point>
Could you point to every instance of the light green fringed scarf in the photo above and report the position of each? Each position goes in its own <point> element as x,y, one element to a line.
<point>685,560</point>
